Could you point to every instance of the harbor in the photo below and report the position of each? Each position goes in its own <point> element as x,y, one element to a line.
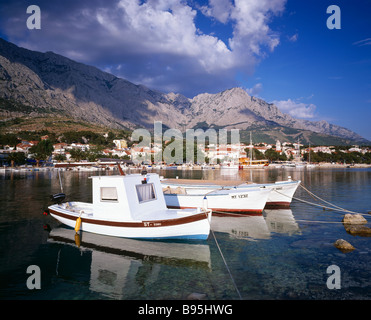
<point>279,254</point>
<point>112,165</point>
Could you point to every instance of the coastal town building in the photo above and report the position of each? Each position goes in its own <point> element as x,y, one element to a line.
<point>214,153</point>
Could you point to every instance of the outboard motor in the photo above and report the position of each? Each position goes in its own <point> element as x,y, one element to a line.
<point>58,198</point>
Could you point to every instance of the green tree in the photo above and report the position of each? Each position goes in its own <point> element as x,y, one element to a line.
<point>42,150</point>
<point>77,154</point>
<point>60,157</point>
<point>8,139</point>
<point>17,158</point>
<point>272,155</point>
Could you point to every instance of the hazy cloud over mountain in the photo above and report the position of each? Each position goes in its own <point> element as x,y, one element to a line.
<point>165,44</point>
<point>296,109</point>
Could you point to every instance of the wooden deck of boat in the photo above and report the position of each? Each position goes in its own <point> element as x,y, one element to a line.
<point>204,182</point>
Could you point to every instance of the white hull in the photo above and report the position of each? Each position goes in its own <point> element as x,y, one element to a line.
<point>280,195</point>
<point>179,225</point>
<point>248,201</point>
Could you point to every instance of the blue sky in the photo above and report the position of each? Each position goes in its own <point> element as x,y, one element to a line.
<point>278,50</point>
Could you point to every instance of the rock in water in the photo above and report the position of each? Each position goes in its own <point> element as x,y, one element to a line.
<point>354,219</point>
<point>358,230</point>
<point>343,245</point>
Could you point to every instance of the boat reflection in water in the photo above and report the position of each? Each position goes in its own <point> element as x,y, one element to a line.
<point>281,221</point>
<point>116,264</point>
<point>255,227</point>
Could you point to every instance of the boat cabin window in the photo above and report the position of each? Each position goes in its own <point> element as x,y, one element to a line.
<point>145,192</point>
<point>108,194</point>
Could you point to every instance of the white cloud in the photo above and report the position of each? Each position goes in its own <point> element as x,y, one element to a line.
<point>364,42</point>
<point>155,41</point>
<point>218,9</point>
<point>293,38</point>
<point>251,25</point>
<point>296,109</point>
<point>168,28</point>
<point>255,90</point>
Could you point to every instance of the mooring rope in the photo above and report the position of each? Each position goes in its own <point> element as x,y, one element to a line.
<point>318,221</point>
<point>225,262</point>
<point>226,265</point>
<point>333,208</point>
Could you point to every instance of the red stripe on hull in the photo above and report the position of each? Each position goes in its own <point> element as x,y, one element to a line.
<point>151,223</point>
<point>277,205</point>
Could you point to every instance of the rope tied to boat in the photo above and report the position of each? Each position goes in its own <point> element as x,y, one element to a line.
<point>221,253</point>
<point>333,206</point>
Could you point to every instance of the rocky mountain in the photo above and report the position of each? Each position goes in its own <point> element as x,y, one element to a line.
<point>235,108</point>
<point>38,84</point>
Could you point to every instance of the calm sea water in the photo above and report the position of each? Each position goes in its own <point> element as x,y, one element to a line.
<point>282,254</point>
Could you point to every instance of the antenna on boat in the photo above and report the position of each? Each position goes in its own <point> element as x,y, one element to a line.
<point>58,197</point>
<point>60,180</point>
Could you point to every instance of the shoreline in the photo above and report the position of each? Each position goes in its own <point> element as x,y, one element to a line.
<point>83,167</point>
<point>345,166</point>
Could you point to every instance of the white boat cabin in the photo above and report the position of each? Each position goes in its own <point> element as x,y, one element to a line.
<point>128,197</point>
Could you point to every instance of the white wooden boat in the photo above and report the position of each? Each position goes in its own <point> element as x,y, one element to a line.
<point>132,206</point>
<point>279,194</point>
<point>251,200</point>
<point>229,166</point>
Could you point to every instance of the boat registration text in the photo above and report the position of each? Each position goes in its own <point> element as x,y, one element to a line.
<point>246,195</point>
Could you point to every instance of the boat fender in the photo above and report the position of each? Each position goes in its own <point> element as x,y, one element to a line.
<point>77,240</point>
<point>205,204</point>
<point>78,224</point>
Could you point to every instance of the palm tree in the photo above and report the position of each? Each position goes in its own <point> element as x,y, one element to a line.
<point>42,150</point>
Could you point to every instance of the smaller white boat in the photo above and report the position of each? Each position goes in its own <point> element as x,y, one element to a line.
<point>132,206</point>
<point>288,165</point>
<point>271,195</point>
<point>229,165</point>
<point>185,193</point>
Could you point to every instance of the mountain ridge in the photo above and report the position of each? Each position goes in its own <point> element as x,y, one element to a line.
<point>52,85</point>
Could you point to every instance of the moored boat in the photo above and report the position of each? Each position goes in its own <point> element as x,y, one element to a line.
<point>279,194</point>
<point>132,206</point>
<point>219,198</point>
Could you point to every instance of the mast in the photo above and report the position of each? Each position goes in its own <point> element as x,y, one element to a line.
<point>250,150</point>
